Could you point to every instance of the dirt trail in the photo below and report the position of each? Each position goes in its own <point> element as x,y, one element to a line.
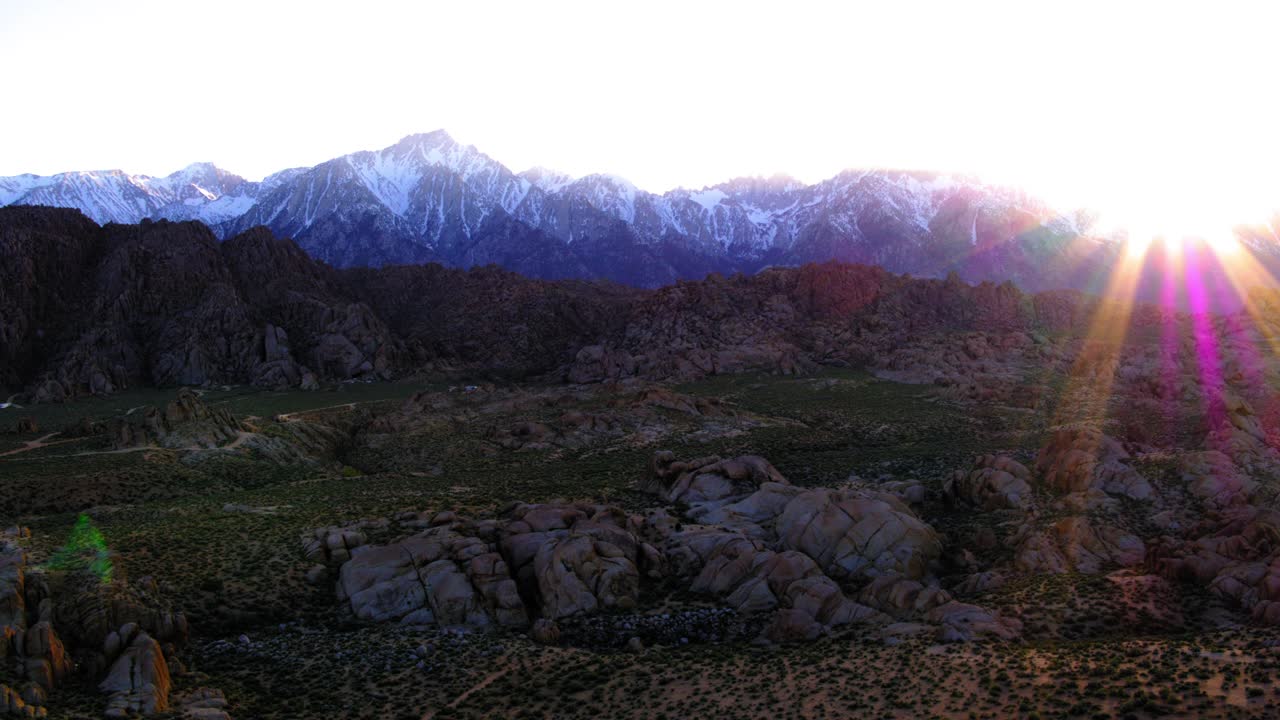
<point>289,416</point>
<point>36,444</point>
<point>485,682</point>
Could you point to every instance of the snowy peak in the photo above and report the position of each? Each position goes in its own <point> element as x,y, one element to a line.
<point>196,183</point>
<point>435,138</point>
<point>439,150</point>
<point>759,185</point>
<point>610,194</point>
<point>547,180</point>
<point>400,175</point>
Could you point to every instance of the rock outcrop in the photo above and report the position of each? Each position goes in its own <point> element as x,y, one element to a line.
<point>1082,459</point>
<point>186,421</point>
<point>746,537</point>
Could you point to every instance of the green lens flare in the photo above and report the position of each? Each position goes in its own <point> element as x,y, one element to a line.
<point>85,551</point>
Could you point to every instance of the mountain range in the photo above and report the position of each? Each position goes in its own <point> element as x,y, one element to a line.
<point>429,198</point>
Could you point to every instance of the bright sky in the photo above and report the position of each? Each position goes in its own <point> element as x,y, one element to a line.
<point>1163,113</point>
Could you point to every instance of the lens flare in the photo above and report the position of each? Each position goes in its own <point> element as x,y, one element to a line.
<point>85,552</point>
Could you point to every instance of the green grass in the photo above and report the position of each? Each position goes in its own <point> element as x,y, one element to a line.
<point>241,400</point>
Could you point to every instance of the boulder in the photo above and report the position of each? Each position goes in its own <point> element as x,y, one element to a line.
<point>709,479</point>
<point>138,681</point>
<point>994,482</point>
<point>45,658</point>
<point>1215,479</point>
<point>203,704</point>
<point>857,534</point>
<point>580,574</point>
<point>962,622</point>
<point>1077,544</point>
<point>436,576</point>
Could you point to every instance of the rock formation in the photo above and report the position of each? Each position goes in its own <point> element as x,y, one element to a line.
<point>747,537</point>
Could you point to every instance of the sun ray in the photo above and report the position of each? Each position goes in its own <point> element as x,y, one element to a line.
<point>1207,355</point>
<point>1084,399</point>
<point>1248,277</point>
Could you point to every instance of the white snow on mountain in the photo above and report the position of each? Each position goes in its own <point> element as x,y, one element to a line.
<point>199,191</point>
<point>547,180</point>
<point>708,198</point>
<point>611,194</point>
<point>432,192</point>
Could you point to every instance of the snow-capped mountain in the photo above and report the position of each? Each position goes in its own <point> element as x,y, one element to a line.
<point>429,198</point>
<point>199,191</point>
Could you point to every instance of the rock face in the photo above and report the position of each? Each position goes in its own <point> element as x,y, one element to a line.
<point>1214,478</point>
<point>1239,561</point>
<point>596,363</point>
<point>753,579</point>
<point>166,304</point>
<point>27,634</point>
<point>46,662</point>
<point>14,705</point>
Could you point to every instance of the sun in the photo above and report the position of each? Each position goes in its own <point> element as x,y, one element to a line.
<point>1224,245</point>
<point>1137,245</point>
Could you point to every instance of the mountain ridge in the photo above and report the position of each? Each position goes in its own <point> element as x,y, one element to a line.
<point>430,198</point>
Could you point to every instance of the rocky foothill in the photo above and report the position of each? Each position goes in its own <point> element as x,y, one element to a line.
<point>166,304</point>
